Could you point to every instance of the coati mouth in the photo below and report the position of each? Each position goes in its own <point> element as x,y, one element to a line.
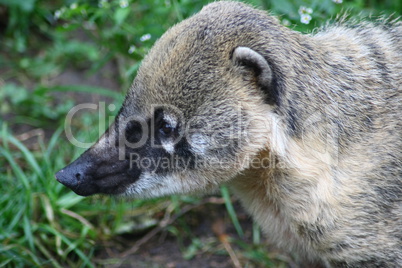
<point>87,177</point>
<point>86,185</point>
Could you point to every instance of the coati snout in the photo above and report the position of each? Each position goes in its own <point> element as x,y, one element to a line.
<point>230,89</point>
<point>90,175</point>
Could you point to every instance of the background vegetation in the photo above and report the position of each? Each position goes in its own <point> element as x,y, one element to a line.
<point>41,222</point>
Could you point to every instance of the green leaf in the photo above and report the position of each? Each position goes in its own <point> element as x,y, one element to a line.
<point>120,15</point>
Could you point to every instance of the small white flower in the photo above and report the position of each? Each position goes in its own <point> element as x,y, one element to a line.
<point>73,6</point>
<point>58,13</point>
<point>305,10</point>
<point>131,49</point>
<point>112,107</point>
<point>145,37</point>
<point>123,3</point>
<point>305,18</point>
<point>286,22</point>
<point>304,13</point>
<point>337,1</point>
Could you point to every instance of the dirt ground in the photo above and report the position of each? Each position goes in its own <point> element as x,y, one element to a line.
<point>166,250</point>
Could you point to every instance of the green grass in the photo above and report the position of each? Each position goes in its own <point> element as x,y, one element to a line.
<point>42,223</point>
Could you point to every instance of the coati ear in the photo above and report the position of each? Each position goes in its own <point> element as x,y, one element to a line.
<point>254,61</point>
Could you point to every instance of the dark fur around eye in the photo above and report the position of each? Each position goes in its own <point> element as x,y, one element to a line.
<point>133,132</point>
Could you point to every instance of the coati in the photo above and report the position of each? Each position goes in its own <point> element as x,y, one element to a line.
<point>305,130</point>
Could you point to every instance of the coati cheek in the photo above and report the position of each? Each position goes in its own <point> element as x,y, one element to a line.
<point>151,185</point>
<point>198,144</point>
<point>168,146</point>
<point>278,139</point>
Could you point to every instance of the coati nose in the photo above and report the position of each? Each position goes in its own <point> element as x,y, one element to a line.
<point>76,177</point>
<point>69,179</point>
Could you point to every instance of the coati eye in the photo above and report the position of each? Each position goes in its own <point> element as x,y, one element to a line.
<point>166,129</point>
<point>166,124</point>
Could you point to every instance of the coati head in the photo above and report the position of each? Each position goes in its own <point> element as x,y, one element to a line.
<point>201,107</point>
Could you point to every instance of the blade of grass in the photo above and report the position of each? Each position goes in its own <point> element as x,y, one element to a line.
<point>132,69</point>
<point>27,154</point>
<point>16,219</point>
<point>68,200</point>
<point>16,169</point>
<point>231,211</point>
<point>52,143</point>
<point>19,256</point>
<point>4,134</point>
<point>70,244</point>
<point>256,234</point>
<point>177,10</point>
<point>4,263</point>
<point>28,232</point>
<point>49,256</point>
